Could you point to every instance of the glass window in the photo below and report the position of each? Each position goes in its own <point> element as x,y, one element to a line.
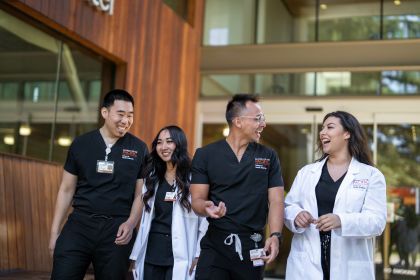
<point>401,19</point>
<point>346,20</point>
<point>226,85</point>
<point>342,83</point>
<point>347,83</point>
<point>284,84</point>
<point>41,112</point>
<point>265,84</point>
<point>400,82</point>
<point>229,22</point>
<point>286,21</point>
<point>273,21</point>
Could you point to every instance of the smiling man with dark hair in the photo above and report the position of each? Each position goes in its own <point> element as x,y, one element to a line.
<point>237,183</point>
<point>102,181</point>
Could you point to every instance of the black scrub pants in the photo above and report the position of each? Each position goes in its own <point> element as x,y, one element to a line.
<point>157,272</point>
<point>89,239</point>
<point>221,262</point>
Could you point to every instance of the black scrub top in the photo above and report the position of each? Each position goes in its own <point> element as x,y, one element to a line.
<point>102,193</point>
<point>326,191</point>
<point>159,243</point>
<point>242,186</point>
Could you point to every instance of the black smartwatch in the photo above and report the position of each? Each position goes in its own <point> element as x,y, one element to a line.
<point>278,235</point>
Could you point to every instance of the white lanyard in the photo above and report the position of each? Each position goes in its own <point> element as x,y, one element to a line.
<point>108,151</point>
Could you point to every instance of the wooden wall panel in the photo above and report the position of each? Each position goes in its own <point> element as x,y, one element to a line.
<point>27,196</point>
<point>159,49</point>
<point>4,248</point>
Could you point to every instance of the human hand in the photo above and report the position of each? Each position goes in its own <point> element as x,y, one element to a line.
<point>213,211</point>
<point>303,219</point>
<point>51,245</point>
<point>124,234</point>
<point>328,222</point>
<point>271,249</point>
<point>193,265</point>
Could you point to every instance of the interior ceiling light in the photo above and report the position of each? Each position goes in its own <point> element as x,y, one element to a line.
<point>323,6</point>
<point>225,131</point>
<point>25,130</point>
<point>9,140</point>
<point>64,141</point>
<point>397,2</point>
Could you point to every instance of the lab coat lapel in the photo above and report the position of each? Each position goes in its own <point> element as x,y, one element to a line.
<point>346,183</point>
<point>313,182</point>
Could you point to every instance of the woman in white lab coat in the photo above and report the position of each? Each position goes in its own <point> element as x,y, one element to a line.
<point>336,206</point>
<point>167,245</point>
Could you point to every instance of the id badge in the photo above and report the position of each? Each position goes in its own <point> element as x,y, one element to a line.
<point>256,254</point>
<point>170,196</point>
<point>103,166</point>
<point>258,262</point>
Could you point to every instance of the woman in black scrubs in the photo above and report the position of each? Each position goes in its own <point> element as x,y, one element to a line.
<point>167,246</point>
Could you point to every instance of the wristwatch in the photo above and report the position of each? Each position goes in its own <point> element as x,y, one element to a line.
<point>278,235</point>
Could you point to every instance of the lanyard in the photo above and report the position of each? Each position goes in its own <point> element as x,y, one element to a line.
<point>107,151</point>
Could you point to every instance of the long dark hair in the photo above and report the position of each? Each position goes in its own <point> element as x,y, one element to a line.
<point>155,168</point>
<point>357,143</point>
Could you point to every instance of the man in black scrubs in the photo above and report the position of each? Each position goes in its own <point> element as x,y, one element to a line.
<point>101,178</point>
<point>237,184</point>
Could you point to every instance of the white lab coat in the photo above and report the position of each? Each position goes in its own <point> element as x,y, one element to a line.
<point>361,205</point>
<point>187,231</point>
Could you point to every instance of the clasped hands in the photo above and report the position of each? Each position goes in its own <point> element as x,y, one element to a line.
<point>326,222</point>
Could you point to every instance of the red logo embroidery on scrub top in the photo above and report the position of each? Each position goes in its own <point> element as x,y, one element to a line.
<point>129,154</point>
<point>262,163</point>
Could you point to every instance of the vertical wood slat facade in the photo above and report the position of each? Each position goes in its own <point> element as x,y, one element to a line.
<point>28,189</point>
<point>157,56</point>
<point>156,51</point>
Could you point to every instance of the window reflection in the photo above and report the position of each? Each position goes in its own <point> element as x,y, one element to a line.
<point>38,107</point>
<point>272,21</point>
<point>229,22</point>
<point>343,83</point>
<point>400,82</point>
<point>401,19</point>
<point>399,160</point>
<point>346,20</point>
<point>286,21</point>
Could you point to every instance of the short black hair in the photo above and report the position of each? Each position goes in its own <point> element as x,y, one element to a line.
<point>116,94</point>
<point>237,104</point>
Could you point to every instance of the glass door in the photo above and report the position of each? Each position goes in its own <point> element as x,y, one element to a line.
<point>398,157</point>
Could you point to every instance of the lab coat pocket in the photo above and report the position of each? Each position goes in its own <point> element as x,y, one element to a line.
<point>355,200</point>
<point>297,265</point>
<point>360,270</point>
